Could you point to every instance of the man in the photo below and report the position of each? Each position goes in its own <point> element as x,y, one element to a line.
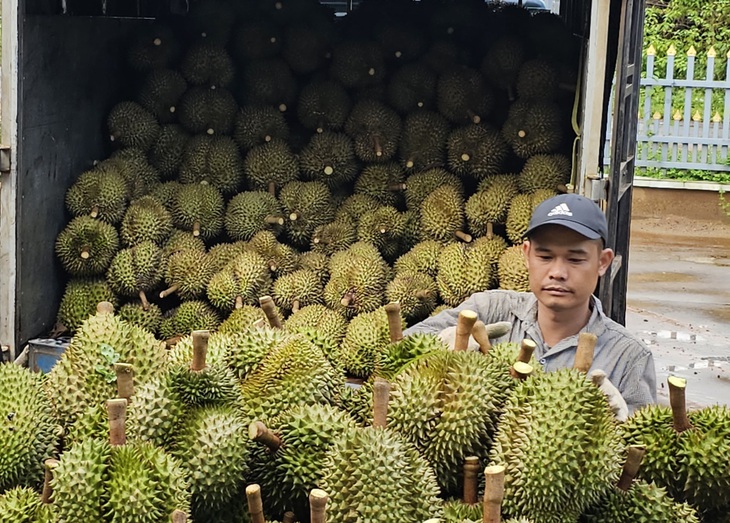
<point>565,254</point>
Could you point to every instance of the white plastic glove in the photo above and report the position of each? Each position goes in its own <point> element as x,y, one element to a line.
<point>448,336</point>
<point>615,400</point>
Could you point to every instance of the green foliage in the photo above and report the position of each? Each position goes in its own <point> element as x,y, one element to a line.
<point>724,204</point>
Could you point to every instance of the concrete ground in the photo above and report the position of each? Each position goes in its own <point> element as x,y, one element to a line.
<point>679,296</point>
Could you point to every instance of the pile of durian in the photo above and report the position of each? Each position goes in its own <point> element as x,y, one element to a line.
<point>269,148</point>
<point>261,426</point>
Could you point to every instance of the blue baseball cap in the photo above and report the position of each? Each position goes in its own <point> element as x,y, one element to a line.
<point>573,211</point>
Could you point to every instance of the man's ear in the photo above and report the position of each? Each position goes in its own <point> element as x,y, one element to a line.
<point>526,252</point>
<point>604,261</point>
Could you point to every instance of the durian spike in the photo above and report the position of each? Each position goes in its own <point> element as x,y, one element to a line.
<point>288,517</point>
<point>395,322</point>
<point>471,469</point>
<point>527,349</point>
<point>104,307</point>
<point>479,332</point>
<point>269,308</point>
<point>677,387</point>
<point>117,410</point>
<point>631,467</point>
<point>348,299</point>
<point>381,396</point>
<point>521,371</point>
<point>584,351</point>
<point>493,494</point>
<point>464,324</point>
<point>168,291</point>
<point>178,516</point>
<point>94,211</point>
<point>255,505</point>
<point>200,349</point>
<point>474,117</point>
<point>377,147</point>
<point>196,228</point>
<point>239,302</point>
<point>490,230</point>
<point>295,306</point>
<point>143,299</point>
<point>274,220</point>
<point>466,238</point>
<point>260,433</point>
<point>85,254</point>
<point>125,380</point>
<point>48,466</point>
<point>317,506</point>
<point>272,188</point>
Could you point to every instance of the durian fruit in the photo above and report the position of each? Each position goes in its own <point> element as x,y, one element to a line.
<point>24,505</point>
<point>100,194</point>
<point>544,171</point>
<point>422,258</point>
<point>420,185</point>
<point>213,159</point>
<point>538,79</point>
<point>289,454</point>
<point>502,62</point>
<point>512,270</point>
<point>317,262</point>
<point>253,40</point>
<point>463,96</point>
<point>27,428</point>
<point>468,508</point>
<point>136,271</point>
<point>297,289</point>
<point>131,125</point>
<point>269,82</point>
<point>357,64</point>
<point>250,212</point>
<point>375,130</point>
<point>306,48</point>
<point>485,208</point>
<point>384,228</point>
<point>533,127</point>
<point>270,164</point>
<point>492,246</point>
<point>241,319</point>
<point>307,206</point>
<point>365,340</point>
<point>210,110</point>
<point>329,157</point>
<point>146,220</point>
<point>323,105</point>
<point>442,215</point>
<point>245,349</point>
<point>207,64</point>
<point>187,274</point>
<point>416,292</point>
<point>401,41</point>
<point>167,152</point>
<point>376,464</point>
<point>181,240</point>
<point>423,141</point>
<point>199,208</point>
<point>80,299</point>
<point>221,254</point>
<point>357,281</point>
<point>280,258</point>
<point>86,246</point>
<point>132,164</point>
<point>189,316</point>
<point>294,372</point>
<point>462,271</point>
<point>258,124</point>
<point>520,212</point>
<point>398,354</point>
<point>412,87</point>
<point>383,182</point>
<point>148,318</point>
<point>240,283</point>
<point>318,317</point>
<point>357,205</point>
<point>165,193</point>
<point>334,236</point>
<point>476,150</point>
<point>160,93</point>
<point>153,47</point>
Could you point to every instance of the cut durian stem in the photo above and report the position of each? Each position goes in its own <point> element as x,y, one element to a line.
<point>493,494</point>
<point>490,230</point>
<point>329,170</point>
<point>48,466</point>
<point>527,349</point>
<point>117,410</point>
<point>381,396</point>
<point>104,307</point>
<point>348,299</point>
<point>283,107</point>
<point>157,42</point>
<point>521,371</point>
<point>521,133</point>
<point>295,306</point>
<point>255,505</point>
<point>143,299</point>
<point>631,467</point>
<point>479,333</point>
<point>94,211</point>
<point>584,351</point>
<point>125,380</point>
<point>269,307</point>
<point>294,216</point>
<point>260,433</point>
<point>395,322</point>
<point>471,469</point>
<point>239,302</point>
<point>85,254</point>
<point>168,291</point>
<point>267,138</point>
<point>272,188</point>
<point>173,108</point>
<point>288,517</point>
<point>466,238</point>
<point>397,187</point>
<point>464,324</point>
<point>274,220</point>
<point>200,350</point>
<point>474,117</point>
<point>371,71</point>
<point>178,516</point>
<point>677,388</point>
<point>409,163</point>
<point>318,506</point>
<point>196,228</point>
<point>377,146</point>
<point>465,157</point>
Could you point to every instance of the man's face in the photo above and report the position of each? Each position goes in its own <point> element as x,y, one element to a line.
<point>564,266</point>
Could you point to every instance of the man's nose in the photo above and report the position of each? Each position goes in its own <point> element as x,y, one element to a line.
<point>558,270</point>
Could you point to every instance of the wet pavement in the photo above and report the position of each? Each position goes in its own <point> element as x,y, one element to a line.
<point>679,304</point>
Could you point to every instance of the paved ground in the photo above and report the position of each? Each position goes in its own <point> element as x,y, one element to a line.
<point>679,301</point>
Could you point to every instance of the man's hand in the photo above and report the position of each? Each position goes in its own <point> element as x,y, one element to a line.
<point>615,400</point>
<point>448,336</point>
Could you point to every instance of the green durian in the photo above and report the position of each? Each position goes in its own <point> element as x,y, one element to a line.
<point>375,130</point>
<point>533,127</point>
<point>383,182</point>
<point>442,215</point>
<point>160,93</point>
<point>187,274</point>
<point>297,289</point>
<point>259,124</point>
<point>329,157</point>
<point>412,87</point>
<point>416,292</point>
<point>269,82</point>
<point>280,257</point>
<point>334,236</point>
<point>86,246</point>
<point>80,298</point>
<point>544,171</point>
<point>271,163</point>
<point>463,96</point>
<point>146,219</point>
<point>189,316</point>
<point>476,150</point>
<point>131,125</point>
<point>422,257</point>
<point>538,79</point>
<point>365,340</point>
<point>357,63</point>
<point>307,206</point>
<point>137,270</point>
<point>462,270</point>
<point>512,270</point>
<point>153,47</point>
<point>319,318</point>
<point>222,254</point>
<point>241,319</point>
<point>135,312</point>
<point>252,211</point>
<point>213,159</point>
<point>323,105</point>
<point>241,282</point>
<point>199,208</point>
<point>399,354</point>
<point>423,142</point>
<point>210,111</point>
<point>244,350</point>
<point>99,193</point>
<point>208,64</point>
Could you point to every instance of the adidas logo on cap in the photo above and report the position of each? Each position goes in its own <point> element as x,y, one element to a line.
<point>561,209</point>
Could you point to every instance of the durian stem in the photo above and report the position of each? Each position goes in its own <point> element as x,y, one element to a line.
<point>521,133</point>
<point>272,188</point>
<point>94,211</point>
<point>117,410</point>
<point>239,302</point>
<point>104,307</point>
<point>464,324</point>
<point>288,517</point>
<point>317,506</point>
<point>562,188</point>
<point>377,146</point>
<point>490,230</point>
<point>125,380</point>
<point>493,494</point>
<point>423,294</point>
<point>178,516</point>
<point>328,170</point>
<point>168,291</point>
<point>348,299</point>
<point>677,388</point>
<point>465,157</point>
<point>255,505</point>
<point>381,396</point>
<point>200,349</point>
<point>521,371</point>
<point>85,254</point>
<point>49,466</point>
<point>295,306</point>
<point>274,220</point>
<point>397,187</point>
<point>273,267</point>
<point>145,302</point>
<point>584,351</point>
<point>410,163</point>
<point>471,469</point>
<point>474,117</point>
<point>260,433</point>
<point>466,238</point>
<point>294,216</point>
<point>196,228</point>
<point>631,467</point>
<point>269,308</point>
<point>479,332</point>
<point>395,322</point>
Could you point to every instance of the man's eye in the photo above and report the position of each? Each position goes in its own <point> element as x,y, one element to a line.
<point>576,260</point>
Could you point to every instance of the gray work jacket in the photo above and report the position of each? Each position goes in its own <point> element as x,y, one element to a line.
<point>627,362</point>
